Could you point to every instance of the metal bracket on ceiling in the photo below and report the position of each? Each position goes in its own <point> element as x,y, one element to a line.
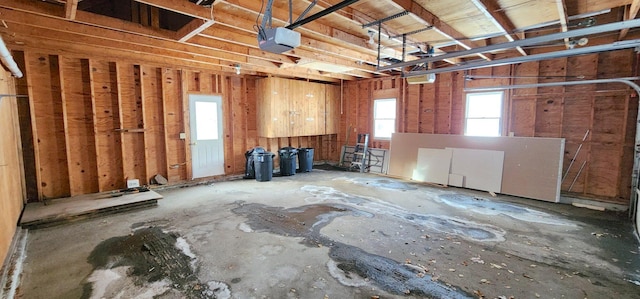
<point>380,21</point>
<point>321,14</point>
<point>412,32</point>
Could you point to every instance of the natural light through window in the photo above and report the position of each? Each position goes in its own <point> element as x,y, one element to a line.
<point>483,114</point>
<point>207,120</point>
<point>384,114</point>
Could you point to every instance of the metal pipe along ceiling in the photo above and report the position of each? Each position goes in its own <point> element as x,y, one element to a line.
<point>520,59</point>
<point>627,80</point>
<point>523,42</point>
<point>7,60</point>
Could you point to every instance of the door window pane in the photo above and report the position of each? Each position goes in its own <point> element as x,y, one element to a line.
<point>207,121</point>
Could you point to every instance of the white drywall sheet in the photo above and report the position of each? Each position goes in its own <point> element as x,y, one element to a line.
<point>433,166</point>
<point>482,169</point>
<point>532,165</point>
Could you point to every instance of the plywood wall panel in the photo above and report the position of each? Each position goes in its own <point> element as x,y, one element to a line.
<point>603,170</point>
<point>608,120</point>
<point>583,66</point>
<point>427,109</point>
<point>525,73</point>
<point>332,107</point>
<point>553,70</point>
<point>174,125</point>
<point>132,118</point>
<point>238,111</point>
<point>83,171</point>
<point>47,111</point>
<point>106,121</point>
<point>155,151</point>
<point>548,116</point>
<point>412,108</point>
<point>443,104</point>
<point>458,107</point>
<point>11,191</point>
<point>523,117</point>
<point>570,173</point>
<point>577,112</point>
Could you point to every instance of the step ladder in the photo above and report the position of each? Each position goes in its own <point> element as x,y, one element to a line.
<point>360,152</point>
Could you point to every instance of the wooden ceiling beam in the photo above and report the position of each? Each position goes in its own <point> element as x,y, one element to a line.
<point>630,13</point>
<point>192,29</point>
<point>493,11</point>
<point>71,7</point>
<point>315,30</point>
<point>182,7</point>
<point>430,19</point>
<point>236,54</point>
<point>225,19</point>
<point>564,19</point>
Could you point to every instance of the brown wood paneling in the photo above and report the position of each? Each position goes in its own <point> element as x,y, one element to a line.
<point>155,150</point>
<point>548,116</point>
<point>174,125</point>
<point>81,147</point>
<point>523,117</point>
<point>525,73</point>
<point>603,170</point>
<point>332,109</point>
<point>608,120</point>
<point>132,119</point>
<point>46,111</point>
<point>238,113</point>
<point>106,121</point>
<point>11,185</point>
<point>443,104</point>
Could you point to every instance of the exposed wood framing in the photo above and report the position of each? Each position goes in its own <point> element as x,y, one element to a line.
<point>564,19</point>
<point>71,7</point>
<point>630,13</point>
<point>443,28</point>
<point>192,29</point>
<point>494,12</point>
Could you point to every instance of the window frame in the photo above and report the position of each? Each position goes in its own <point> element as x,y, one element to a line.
<point>395,117</point>
<point>500,118</point>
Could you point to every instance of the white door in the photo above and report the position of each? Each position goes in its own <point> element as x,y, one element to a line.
<point>207,148</point>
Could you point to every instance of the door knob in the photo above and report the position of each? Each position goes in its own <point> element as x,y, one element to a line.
<point>193,143</point>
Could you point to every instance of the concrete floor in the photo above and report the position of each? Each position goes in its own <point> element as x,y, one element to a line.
<point>330,234</point>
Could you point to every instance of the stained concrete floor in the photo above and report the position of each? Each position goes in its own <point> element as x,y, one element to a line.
<point>330,234</point>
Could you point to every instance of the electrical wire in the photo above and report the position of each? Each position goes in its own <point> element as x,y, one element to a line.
<point>257,27</point>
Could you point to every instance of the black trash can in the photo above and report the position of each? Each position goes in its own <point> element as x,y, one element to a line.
<point>263,163</point>
<point>288,160</point>
<point>250,170</point>
<point>305,157</point>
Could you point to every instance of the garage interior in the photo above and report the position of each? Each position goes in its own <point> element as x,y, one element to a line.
<point>460,149</point>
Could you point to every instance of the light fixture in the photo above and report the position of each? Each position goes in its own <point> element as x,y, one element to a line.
<point>237,67</point>
<point>371,33</point>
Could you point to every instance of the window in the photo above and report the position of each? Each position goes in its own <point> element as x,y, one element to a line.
<point>483,114</point>
<point>384,118</point>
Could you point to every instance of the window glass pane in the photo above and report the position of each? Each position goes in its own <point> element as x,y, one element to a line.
<point>206,121</point>
<point>384,128</point>
<point>385,109</point>
<point>483,127</point>
<point>484,105</point>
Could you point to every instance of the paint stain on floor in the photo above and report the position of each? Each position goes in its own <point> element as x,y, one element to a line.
<point>147,263</point>
<point>350,265</point>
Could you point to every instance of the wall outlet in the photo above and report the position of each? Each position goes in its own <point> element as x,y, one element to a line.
<point>183,136</point>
